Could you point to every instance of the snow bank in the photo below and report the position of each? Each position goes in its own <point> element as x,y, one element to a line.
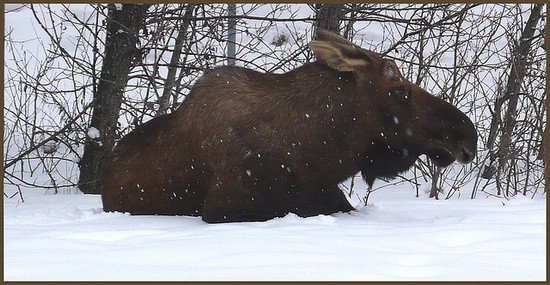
<point>396,237</point>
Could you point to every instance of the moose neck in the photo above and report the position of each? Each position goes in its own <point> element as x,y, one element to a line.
<point>320,104</point>
<point>325,80</point>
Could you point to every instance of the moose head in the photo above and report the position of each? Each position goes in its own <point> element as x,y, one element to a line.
<point>407,120</point>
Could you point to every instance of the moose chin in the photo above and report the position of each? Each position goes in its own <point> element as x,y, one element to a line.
<point>251,146</point>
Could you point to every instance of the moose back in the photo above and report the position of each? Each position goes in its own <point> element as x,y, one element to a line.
<point>251,146</point>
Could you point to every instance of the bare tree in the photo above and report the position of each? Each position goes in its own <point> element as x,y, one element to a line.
<point>121,53</point>
<point>171,83</point>
<point>511,95</point>
<point>46,96</point>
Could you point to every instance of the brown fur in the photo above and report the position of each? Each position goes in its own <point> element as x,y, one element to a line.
<point>249,146</point>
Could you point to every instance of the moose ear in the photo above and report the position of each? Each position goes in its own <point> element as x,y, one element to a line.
<point>339,57</point>
<point>328,36</point>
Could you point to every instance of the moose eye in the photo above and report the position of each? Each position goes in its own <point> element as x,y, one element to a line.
<point>401,93</point>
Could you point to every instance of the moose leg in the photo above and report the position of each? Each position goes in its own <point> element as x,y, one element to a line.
<point>256,189</point>
<point>261,189</point>
<point>342,203</point>
<point>323,201</point>
<point>333,201</point>
<point>229,200</point>
<point>220,208</point>
<point>242,205</point>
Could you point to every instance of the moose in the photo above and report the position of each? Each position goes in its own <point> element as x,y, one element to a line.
<point>252,146</point>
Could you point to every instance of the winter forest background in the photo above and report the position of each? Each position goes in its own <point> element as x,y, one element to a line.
<point>487,59</point>
<point>73,70</point>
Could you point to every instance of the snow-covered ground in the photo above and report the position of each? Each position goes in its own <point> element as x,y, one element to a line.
<point>395,237</point>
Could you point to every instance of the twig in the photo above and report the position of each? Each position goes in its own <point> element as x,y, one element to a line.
<point>52,137</point>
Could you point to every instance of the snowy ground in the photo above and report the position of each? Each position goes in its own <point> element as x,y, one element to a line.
<point>396,237</point>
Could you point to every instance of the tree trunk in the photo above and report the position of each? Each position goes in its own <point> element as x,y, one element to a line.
<point>170,82</point>
<point>542,146</point>
<point>511,94</point>
<point>489,170</point>
<point>516,78</point>
<point>231,33</point>
<point>329,16</point>
<point>123,25</point>
<point>434,190</point>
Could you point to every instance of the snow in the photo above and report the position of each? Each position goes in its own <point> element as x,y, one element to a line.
<point>93,133</point>
<point>395,237</point>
